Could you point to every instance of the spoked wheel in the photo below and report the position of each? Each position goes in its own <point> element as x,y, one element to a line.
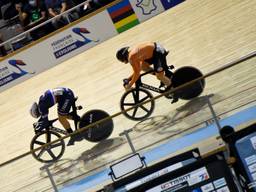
<point>99,131</point>
<point>134,97</point>
<point>50,153</point>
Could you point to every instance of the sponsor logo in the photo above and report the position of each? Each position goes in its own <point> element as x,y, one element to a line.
<point>147,6</point>
<point>250,160</point>
<point>170,3</point>
<point>253,141</point>
<point>69,43</point>
<point>207,188</point>
<point>219,183</point>
<point>252,168</point>
<point>223,189</point>
<point>12,71</point>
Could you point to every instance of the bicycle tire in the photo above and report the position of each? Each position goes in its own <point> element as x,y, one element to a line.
<point>136,93</point>
<point>98,132</point>
<point>40,143</point>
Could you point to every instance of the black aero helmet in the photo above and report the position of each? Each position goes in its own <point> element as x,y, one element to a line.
<point>122,54</point>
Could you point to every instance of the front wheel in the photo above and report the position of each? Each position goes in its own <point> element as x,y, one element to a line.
<point>134,98</point>
<point>50,153</point>
<point>99,131</point>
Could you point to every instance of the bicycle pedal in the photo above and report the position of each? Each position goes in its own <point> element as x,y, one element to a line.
<point>174,100</point>
<point>171,66</point>
<point>169,96</point>
<point>161,85</point>
<point>70,143</point>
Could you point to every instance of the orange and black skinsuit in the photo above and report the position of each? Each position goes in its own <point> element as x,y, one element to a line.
<point>143,55</point>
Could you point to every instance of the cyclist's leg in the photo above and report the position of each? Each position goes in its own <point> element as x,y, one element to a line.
<point>164,79</point>
<point>162,71</point>
<point>64,122</point>
<point>146,67</point>
<point>160,54</point>
<point>159,68</point>
<point>64,105</point>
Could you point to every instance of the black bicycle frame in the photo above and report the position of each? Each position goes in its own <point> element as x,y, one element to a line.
<point>139,83</point>
<point>75,117</point>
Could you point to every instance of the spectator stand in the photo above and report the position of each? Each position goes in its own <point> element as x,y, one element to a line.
<point>19,40</point>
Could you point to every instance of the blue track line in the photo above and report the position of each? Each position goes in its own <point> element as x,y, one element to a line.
<point>168,148</point>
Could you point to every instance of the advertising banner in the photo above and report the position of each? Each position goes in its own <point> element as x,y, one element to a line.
<point>145,9</point>
<point>56,49</point>
<point>171,3</point>
<point>78,38</point>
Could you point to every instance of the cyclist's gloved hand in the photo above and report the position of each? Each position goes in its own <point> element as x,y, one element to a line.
<point>125,82</point>
<point>40,125</point>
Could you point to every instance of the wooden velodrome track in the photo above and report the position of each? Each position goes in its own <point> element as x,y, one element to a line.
<point>202,33</point>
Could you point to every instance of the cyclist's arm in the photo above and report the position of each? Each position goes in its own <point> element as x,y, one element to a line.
<point>136,72</point>
<point>44,112</point>
<point>147,68</point>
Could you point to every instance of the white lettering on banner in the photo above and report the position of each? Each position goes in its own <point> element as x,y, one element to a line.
<point>65,50</point>
<point>67,44</point>
<point>64,44</point>
<point>193,177</point>
<point>254,176</point>
<point>219,183</point>
<point>250,160</point>
<point>176,181</point>
<point>4,72</point>
<point>4,81</point>
<point>223,189</point>
<point>60,41</point>
<point>253,141</point>
<point>153,176</point>
<point>252,168</point>
<point>207,188</point>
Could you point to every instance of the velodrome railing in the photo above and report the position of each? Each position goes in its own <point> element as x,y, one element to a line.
<point>238,94</point>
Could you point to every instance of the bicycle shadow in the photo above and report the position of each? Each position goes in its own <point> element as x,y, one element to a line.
<point>163,124</point>
<point>101,148</point>
<point>65,169</point>
<point>191,107</point>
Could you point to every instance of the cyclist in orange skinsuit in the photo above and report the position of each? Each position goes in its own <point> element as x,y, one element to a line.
<point>141,57</point>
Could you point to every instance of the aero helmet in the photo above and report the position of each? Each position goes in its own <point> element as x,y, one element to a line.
<point>34,111</point>
<point>122,54</point>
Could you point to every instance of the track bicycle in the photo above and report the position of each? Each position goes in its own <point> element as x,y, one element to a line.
<point>55,151</point>
<point>141,92</point>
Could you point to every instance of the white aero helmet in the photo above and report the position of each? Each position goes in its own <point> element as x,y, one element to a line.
<point>34,111</point>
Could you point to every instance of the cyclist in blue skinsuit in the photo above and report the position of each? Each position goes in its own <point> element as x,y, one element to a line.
<point>64,98</point>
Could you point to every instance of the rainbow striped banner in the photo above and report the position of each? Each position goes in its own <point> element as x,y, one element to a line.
<point>123,16</point>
